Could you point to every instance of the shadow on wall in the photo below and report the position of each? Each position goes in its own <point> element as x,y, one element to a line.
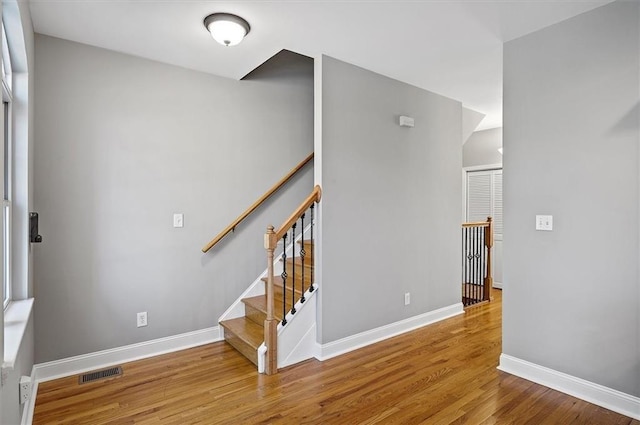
<point>482,148</point>
<point>628,123</point>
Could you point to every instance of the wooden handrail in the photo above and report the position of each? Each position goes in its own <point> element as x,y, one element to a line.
<point>315,196</point>
<point>476,224</point>
<point>256,204</point>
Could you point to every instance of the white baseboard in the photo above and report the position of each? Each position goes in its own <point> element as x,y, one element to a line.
<point>83,363</point>
<point>497,285</point>
<point>608,398</point>
<point>353,342</point>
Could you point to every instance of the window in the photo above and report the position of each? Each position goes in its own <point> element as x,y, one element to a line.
<point>7,84</point>
<point>6,61</point>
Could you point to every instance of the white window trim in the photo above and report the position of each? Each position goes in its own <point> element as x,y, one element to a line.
<point>6,209</point>
<point>15,318</point>
<point>7,96</point>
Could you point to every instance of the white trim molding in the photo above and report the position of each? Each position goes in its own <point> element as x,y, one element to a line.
<point>16,320</point>
<point>484,167</point>
<point>353,342</point>
<point>30,406</point>
<point>600,395</point>
<point>86,362</point>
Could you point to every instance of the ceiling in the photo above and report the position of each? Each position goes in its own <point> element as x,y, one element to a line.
<point>453,47</point>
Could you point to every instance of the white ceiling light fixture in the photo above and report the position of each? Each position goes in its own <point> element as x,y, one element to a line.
<point>227,29</point>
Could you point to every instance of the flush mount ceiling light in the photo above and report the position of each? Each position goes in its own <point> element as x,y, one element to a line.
<point>227,29</point>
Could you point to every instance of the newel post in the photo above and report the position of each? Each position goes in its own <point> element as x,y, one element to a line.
<point>488,240</point>
<point>270,323</point>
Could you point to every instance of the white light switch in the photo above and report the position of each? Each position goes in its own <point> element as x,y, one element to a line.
<point>178,220</point>
<point>544,222</point>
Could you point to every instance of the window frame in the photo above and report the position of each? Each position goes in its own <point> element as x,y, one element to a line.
<point>7,169</point>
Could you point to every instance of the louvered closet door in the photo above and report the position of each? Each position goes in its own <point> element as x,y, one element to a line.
<point>484,199</point>
<point>478,195</point>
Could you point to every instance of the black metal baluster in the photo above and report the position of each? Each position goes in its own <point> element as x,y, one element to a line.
<point>293,268</point>
<point>477,266</point>
<point>472,254</point>
<point>469,238</point>
<point>469,269</point>
<point>462,270</point>
<point>483,265</point>
<point>474,273</point>
<point>284,280</point>
<point>478,272</point>
<point>466,264</point>
<point>313,259</point>
<point>472,276</point>
<point>482,262</point>
<point>470,262</point>
<point>302,254</point>
<point>469,265</point>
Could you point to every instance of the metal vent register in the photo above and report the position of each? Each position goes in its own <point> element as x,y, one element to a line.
<point>100,374</point>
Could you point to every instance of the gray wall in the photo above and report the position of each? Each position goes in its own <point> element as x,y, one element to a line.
<point>391,200</point>
<point>571,135</point>
<point>122,143</point>
<point>482,148</point>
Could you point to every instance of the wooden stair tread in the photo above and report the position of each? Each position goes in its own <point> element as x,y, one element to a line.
<point>260,303</point>
<point>298,261</point>
<point>245,329</point>
<point>277,284</point>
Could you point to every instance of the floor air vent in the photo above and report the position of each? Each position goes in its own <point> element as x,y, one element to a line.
<point>100,374</point>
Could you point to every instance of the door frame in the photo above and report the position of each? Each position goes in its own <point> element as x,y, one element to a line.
<point>465,171</point>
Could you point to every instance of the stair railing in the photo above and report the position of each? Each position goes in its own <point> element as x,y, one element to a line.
<point>284,232</point>
<point>232,227</point>
<point>477,277</point>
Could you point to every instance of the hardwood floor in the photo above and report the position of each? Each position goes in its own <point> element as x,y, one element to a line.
<point>441,374</point>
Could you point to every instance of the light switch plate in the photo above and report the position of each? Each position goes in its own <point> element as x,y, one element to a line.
<point>178,220</point>
<point>544,222</point>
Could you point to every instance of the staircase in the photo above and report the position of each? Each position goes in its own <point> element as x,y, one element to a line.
<point>246,333</point>
<point>477,279</point>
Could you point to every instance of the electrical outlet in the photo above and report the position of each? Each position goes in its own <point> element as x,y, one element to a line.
<point>25,389</point>
<point>407,298</point>
<point>142,319</point>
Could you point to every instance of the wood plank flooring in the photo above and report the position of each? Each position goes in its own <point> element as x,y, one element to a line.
<point>441,374</point>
